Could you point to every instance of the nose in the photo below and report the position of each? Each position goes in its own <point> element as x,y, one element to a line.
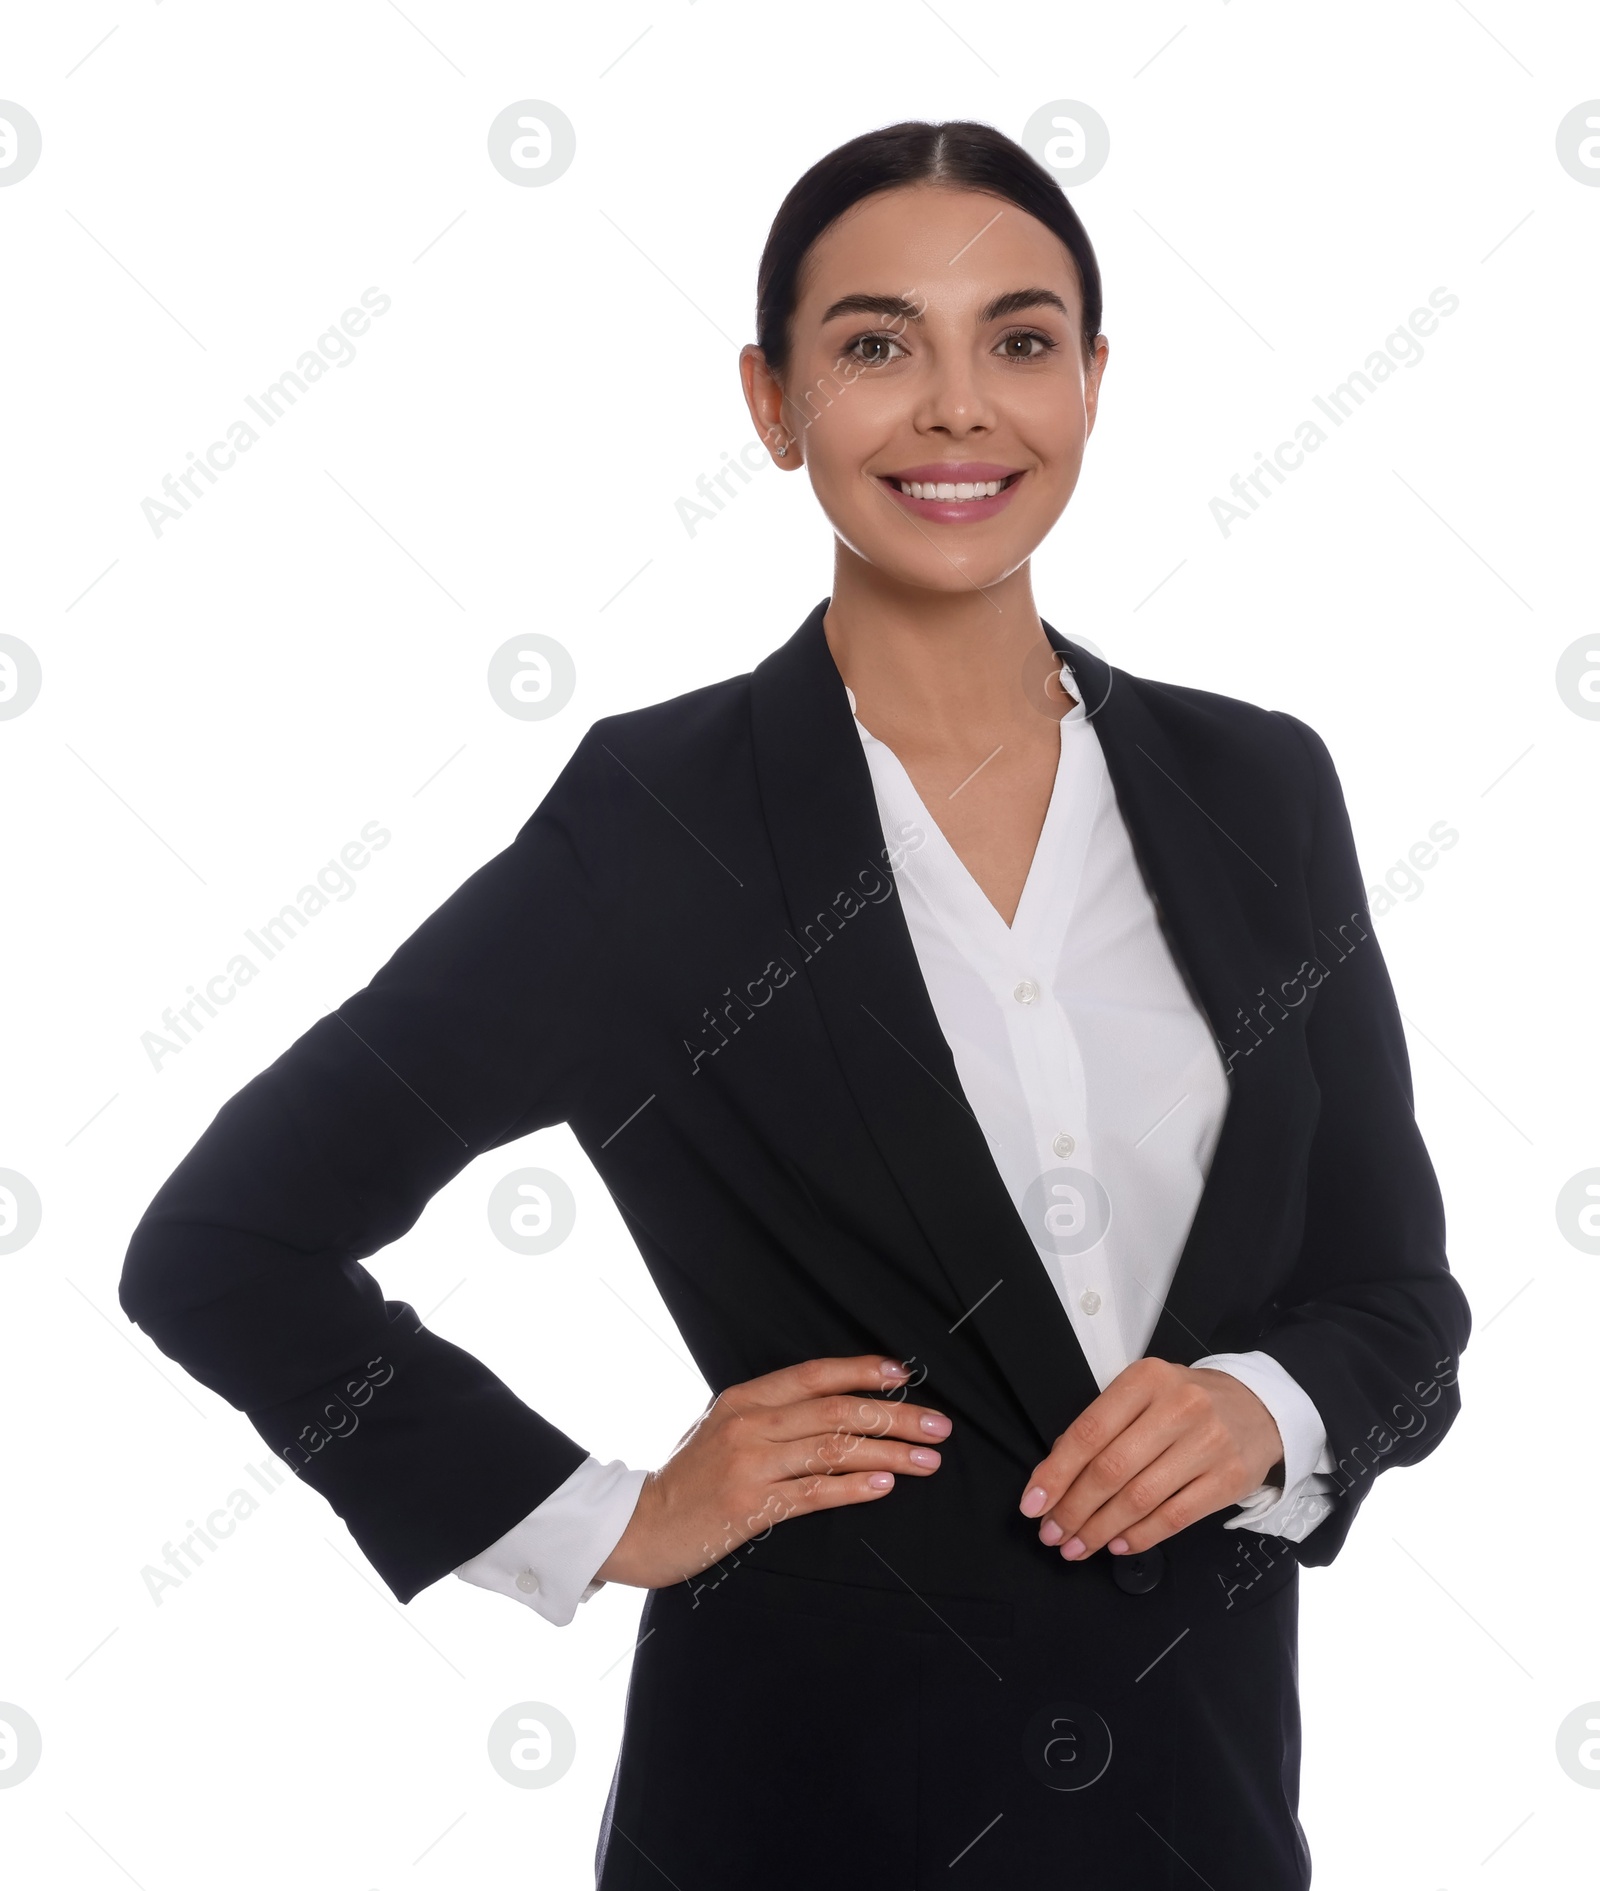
<point>954,401</point>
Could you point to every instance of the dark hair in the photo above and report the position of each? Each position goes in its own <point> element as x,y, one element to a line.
<point>960,152</point>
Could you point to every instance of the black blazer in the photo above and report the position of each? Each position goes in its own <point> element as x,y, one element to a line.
<point>697,925</point>
<point>693,953</point>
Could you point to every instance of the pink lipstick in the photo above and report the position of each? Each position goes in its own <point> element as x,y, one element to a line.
<point>953,492</point>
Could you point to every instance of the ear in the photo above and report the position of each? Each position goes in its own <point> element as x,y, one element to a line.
<point>1091,383</point>
<point>763,394</point>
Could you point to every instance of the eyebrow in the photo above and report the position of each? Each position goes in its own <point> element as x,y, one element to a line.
<point>898,308</point>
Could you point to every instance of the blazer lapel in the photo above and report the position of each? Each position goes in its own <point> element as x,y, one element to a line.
<point>821,815</point>
<point>1191,867</point>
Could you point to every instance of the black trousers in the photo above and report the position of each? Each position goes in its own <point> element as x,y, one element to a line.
<point>787,1731</point>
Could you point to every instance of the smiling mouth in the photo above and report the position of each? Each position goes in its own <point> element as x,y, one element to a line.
<point>951,491</point>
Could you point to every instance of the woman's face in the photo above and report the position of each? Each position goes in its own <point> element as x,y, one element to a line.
<point>935,342</point>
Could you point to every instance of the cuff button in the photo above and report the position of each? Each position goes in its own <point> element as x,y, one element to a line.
<point>528,1583</point>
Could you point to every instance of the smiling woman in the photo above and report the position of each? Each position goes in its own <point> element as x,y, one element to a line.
<point>930,350</point>
<point>1155,1299</point>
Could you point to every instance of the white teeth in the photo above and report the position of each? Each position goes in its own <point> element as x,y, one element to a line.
<point>944,489</point>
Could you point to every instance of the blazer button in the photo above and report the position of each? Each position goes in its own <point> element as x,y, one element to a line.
<point>1138,1574</point>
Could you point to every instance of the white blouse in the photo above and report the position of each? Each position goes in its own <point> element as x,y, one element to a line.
<point>1100,1091</point>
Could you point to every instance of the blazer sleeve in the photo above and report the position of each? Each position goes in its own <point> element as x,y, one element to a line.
<point>246,1266</point>
<point>1371,1322</point>
<point>548,1561</point>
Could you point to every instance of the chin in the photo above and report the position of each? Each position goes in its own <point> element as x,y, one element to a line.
<point>943,567</point>
<point>959,572</point>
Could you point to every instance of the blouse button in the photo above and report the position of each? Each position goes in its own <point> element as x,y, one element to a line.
<point>1063,1144</point>
<point>1089,1300</point>
<point>528,1583</point>
<point>1026,991</point>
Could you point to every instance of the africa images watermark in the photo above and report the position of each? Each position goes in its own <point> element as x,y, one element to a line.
<point>818,1463</point>
<point>234,1509</point>
<point>715,488</point>
<point>1362,1459</point>
<point>1403,881</point>
<point>269,939</point>
<point>1400,348</point>
<point>1409,1420</point>
<point>846,905</point>
<point>333,349</point>
<point>339,1418</point>
<point>1295,989</point>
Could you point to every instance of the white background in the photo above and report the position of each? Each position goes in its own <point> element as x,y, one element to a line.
<point>225,705</point>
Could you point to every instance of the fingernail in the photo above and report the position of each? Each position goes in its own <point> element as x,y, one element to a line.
<point>1051,1532</point>
<point>1034,1502</point>
<point>919,1455</point>
<point>891,1368</point>
<point>1073,1549</point>
<point>881,1480</point>
<point>1118,1546</point>
<point>935,1424</point>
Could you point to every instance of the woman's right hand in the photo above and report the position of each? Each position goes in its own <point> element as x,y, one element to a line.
<point>772,1448</point>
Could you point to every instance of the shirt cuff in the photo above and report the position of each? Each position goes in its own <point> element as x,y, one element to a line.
<point>1296,1507</point>
<point>548,1560</point>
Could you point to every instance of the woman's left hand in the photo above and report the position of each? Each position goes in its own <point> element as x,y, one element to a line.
<point>1162,1446</point>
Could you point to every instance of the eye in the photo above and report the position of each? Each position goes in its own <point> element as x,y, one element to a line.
<point>1026,335</point>
<point>873,338</point>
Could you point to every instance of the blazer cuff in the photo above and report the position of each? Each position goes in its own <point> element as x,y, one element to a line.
<point>1298,1505</point>
<point>548,1560</point>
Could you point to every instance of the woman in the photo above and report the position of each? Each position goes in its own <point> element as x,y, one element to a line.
<point>990,1054</point>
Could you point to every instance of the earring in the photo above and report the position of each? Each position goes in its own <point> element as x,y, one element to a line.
<point>782,451</point>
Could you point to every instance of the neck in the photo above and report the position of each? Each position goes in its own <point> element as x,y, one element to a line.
<point>949,662</point>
